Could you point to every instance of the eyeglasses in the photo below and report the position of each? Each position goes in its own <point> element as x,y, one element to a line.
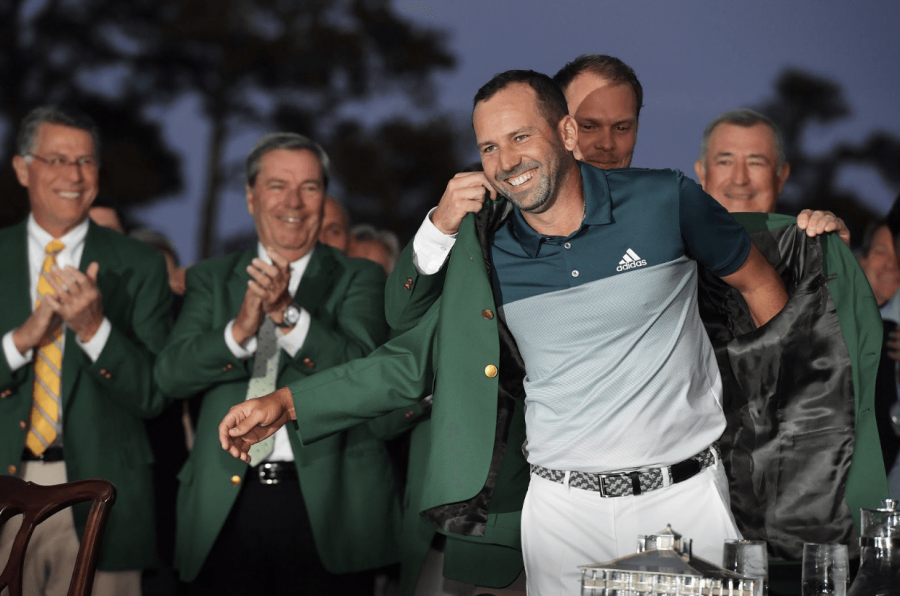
<point>60,162</point>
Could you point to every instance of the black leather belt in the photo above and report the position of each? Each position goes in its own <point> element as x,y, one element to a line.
<point>50,454</point>
<point>637,482</point>
<point>273,472</point>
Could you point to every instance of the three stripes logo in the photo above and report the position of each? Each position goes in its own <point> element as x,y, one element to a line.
<point>630,260</point>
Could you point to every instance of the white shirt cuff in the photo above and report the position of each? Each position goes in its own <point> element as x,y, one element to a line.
<point>241,352</point>
<point>292,341</point>
<point>431,247</point>
<point>13,358</point>
<point>95,345</point>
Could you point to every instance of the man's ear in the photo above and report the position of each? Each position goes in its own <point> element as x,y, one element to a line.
<point>783,176</point>
<point>21,168</point>
<point>249,200</point>
<point>568,132</point>
<point>700,170</point>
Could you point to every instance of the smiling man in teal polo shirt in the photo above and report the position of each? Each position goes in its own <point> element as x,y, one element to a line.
<point>595,338</point>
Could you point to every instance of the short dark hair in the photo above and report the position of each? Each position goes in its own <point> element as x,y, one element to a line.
<point>290,141</point>
<point>51,115</point>
<point>551,101</point>
<point>868,235</point>
<point>607,67</point>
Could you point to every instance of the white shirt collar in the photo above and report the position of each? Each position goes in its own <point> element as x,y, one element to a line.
<point>72,239</point>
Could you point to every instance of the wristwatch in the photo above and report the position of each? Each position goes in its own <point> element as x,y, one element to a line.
<point>290,317</point>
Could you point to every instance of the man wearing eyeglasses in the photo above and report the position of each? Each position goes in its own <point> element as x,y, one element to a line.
<point>83,312</point>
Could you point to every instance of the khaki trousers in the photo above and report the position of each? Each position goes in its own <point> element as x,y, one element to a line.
<point>50,556</point>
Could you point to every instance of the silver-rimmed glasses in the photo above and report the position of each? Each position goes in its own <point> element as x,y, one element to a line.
<point>61,162</point>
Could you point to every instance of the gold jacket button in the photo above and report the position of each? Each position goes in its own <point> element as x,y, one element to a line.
<point>409,414</point>
<point>22,424</point>
<point>309,363</point>
<point>108,376</point>
<point>102,372</point>
<point>236,480</point>
<point>226,368</point>
<point>487,314</point>
<point>490,370</point>
<point>12,470</point>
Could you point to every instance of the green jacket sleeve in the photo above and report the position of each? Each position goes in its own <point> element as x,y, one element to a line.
<point>396,375</point>
<point>408,294</point>
<point>196,356</point>
<point>124,369</point>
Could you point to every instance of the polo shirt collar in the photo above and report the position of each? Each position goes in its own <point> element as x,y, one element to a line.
<point>598,210</point>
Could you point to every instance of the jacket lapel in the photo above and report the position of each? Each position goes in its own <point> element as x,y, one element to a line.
<point>237,281</point>
<point>98,249</point>
<point>74,358</point>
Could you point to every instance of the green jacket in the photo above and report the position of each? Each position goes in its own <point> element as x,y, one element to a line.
<point>463,481</point>
<point>104,403</point>
<point>801,447</point>
<point>346,479</point>
<point>416,533</point>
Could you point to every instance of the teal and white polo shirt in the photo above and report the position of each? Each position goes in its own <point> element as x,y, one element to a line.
<point>620,372</point>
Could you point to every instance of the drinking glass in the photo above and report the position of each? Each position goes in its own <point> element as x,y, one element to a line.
<point>748,558</point>
<point>824,570</point>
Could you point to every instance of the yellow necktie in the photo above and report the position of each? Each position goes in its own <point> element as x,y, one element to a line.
<point>47,370</point>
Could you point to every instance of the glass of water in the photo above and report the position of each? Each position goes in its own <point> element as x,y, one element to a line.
<point>748,558</point>
<point>824,570</point>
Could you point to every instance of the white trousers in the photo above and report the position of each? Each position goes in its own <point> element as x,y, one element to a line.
<point>564,527</point>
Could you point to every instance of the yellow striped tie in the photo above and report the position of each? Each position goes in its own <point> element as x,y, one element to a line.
<point>47,370</point>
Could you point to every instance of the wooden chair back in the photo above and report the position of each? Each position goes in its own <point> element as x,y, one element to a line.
<point>36,503</point>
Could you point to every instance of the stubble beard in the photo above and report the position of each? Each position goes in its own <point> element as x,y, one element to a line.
<point>541,195</point>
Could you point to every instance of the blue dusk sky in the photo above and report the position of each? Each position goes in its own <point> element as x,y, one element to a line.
<point>695,59</point>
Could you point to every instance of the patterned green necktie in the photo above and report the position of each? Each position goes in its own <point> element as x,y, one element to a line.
<point>262,382</point>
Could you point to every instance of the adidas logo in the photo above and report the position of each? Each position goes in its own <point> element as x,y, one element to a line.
<point>630,260</point>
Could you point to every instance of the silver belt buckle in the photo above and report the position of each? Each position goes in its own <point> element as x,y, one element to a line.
<point>600,478</point>
<point>263,471</point>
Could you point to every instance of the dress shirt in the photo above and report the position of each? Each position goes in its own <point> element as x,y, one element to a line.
<point>431,247</point>
<point>290,342</point>
<point>38,239</point>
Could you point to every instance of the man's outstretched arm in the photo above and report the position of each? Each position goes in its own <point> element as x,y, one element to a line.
<point>760,285</point>
<point>397,374</point>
